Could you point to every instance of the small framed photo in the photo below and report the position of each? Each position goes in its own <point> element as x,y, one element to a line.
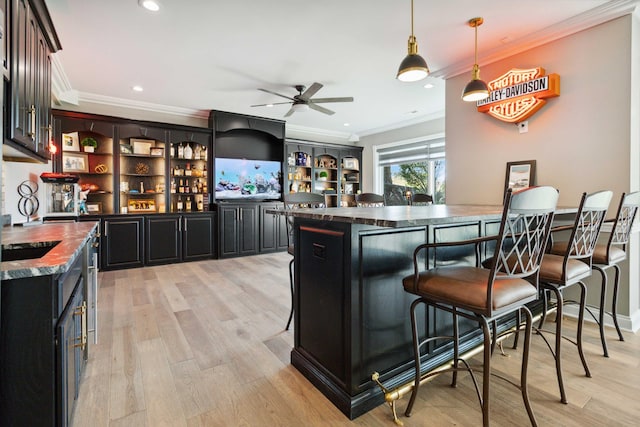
<point>141,146</point>
<point>72,162</point>
<point>142,206</point>
<point>70,142</point>
<point>520,175</point>
<point>94,207</point>
<point>157,151</point>
<point>350,163</point>
<point>126,149</point>
<point>348,188</point>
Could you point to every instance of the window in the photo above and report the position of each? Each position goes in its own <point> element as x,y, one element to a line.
<point>415,166</point>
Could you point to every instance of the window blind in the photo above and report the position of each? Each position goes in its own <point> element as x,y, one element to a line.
<point>420,151</point>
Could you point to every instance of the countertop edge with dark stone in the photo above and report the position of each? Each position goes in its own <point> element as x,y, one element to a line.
<point>404,216</point>
<point>71,235</point>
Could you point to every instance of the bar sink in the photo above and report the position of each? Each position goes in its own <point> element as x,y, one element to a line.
<point>30,250</point>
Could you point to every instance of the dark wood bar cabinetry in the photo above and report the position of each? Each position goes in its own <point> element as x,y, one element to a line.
<point>352,314</point>
<point>176,238</point>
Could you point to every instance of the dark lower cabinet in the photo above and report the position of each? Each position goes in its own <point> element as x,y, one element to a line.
<point>43,347</point>
<point>273,229</point>
<point>198,236</point>
<point>122,242</point>
<point>238,229</point>
<point>70,354</point>
<point>175,238</point>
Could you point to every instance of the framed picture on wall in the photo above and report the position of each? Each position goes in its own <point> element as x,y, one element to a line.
<point>72,162</point>
<point>520,175</point>
<point>70,142</point>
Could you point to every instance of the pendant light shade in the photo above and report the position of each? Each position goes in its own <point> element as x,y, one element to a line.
<point>413,67</point>
<point>476,89</point>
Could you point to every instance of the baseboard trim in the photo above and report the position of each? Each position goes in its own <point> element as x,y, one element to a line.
<point>627,323</point>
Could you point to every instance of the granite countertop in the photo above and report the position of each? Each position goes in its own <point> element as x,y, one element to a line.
<point>405,216</point>
<point>71,235</point>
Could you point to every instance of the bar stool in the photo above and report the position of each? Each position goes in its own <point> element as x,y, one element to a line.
<point>369,200</point>
<point>487,295</point>
<point>296,201</point>
<point>566,265</point>
<point>421,199</point>
<point>609,255</point>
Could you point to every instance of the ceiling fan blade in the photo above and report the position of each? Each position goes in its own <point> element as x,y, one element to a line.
<point>277,94</point>
<point>290,112</point>
<point>271,103</point>
<point>321,109</point>
<point>310,91</point>
<point>342,99</point>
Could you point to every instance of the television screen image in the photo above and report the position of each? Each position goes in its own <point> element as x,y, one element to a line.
<point>248,179</point>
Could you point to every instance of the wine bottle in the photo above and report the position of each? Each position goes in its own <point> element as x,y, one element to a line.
<point>179,204</point>
<point>180,151</point>
<point>188,204</point>
<point>188,152</point>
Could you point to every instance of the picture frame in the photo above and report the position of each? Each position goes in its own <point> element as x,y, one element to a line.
<point>156,152</point>
<point>126,149</point>
<point>70,141</point>
<point>72,162</point>
<point>348,188</point>
<point>520,175</point>
<point>94,208</point>
<point>141,205</point>
<point>350,163</point>
<point>141,146</point>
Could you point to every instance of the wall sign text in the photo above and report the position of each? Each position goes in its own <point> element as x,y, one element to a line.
<point>518,94</point>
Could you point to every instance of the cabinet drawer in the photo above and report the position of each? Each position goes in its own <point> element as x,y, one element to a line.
<point>66,284</point>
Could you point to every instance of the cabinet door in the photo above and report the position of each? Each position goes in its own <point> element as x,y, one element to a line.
<point>273,229</point>
<point>229,230</point>
<point>197,237</point>
<point>163,239</point>
<point>122,242</point>
<point>70,357</point>
<point>248,243</point>
<point>23,41</point>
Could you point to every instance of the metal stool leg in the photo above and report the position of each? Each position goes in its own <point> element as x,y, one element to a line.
<point>583,303</point>
<point>291,284</point>
<point>614,303</point>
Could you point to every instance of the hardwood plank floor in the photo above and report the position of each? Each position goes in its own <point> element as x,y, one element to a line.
<point>203,344</point>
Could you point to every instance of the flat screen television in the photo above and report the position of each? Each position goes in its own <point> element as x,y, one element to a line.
<point>246,179</point>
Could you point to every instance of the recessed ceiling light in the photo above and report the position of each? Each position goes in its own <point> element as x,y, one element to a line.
<point>137,88</point>
<point>152,5</point>
<point>347,124</point>
<point>269,105</point>
<point>428,86</point>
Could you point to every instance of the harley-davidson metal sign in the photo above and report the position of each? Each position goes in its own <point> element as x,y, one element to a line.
<point>518,94</point>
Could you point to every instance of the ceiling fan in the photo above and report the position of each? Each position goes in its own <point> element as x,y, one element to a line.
<point>303,101</point>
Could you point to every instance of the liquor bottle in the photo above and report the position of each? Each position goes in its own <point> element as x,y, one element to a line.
<point>200,204</point>
<point>197,152</point>
<point>204,170</point>
<point>173,187</point>
<point>187,187</point>
<point>181,186</point>
<point>180,151</point>
<point>188,204</point>
<point>188,152</point>
<point>171,151</point>
<point>187,171</point>
<point>179,204</point>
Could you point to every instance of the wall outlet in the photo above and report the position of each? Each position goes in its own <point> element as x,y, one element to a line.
<point>523,127</point>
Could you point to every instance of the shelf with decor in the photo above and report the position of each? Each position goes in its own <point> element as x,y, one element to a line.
<point>349,180</point>
<point>87,151</point>
<point>325,169</point>
<point>299,170</point>
<point>189,176</point>
<point>142,176</point>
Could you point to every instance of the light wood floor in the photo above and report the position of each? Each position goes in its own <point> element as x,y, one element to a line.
<point>203,344</point>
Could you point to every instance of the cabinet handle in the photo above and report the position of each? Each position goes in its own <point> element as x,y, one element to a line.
<point>180,225</point>
<point>106,229</point>
<point>185,224</point>
<point>32,121</point>
<point>82,311</point>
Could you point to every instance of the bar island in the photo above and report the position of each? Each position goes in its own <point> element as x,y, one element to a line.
<point>351,311</point>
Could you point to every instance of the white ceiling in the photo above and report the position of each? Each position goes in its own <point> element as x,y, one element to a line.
<point>198,55</point>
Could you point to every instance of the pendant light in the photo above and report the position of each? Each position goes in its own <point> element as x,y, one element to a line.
<point>476,89</point>
<point>413,67</point>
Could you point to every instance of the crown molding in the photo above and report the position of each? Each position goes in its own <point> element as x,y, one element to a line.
<point>319,135</point>
<point>598,15</point>
<point>143,106</point>
<point>403,124</point>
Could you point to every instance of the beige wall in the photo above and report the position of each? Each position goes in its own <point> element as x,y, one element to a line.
<point>580,140</point>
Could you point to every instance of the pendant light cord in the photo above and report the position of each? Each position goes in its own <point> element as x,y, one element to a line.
<point>476,46</point>
<point>412,18</point>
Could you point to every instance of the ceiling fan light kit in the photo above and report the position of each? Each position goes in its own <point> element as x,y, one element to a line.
<point>476,89</point>
<point>413,67</point>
